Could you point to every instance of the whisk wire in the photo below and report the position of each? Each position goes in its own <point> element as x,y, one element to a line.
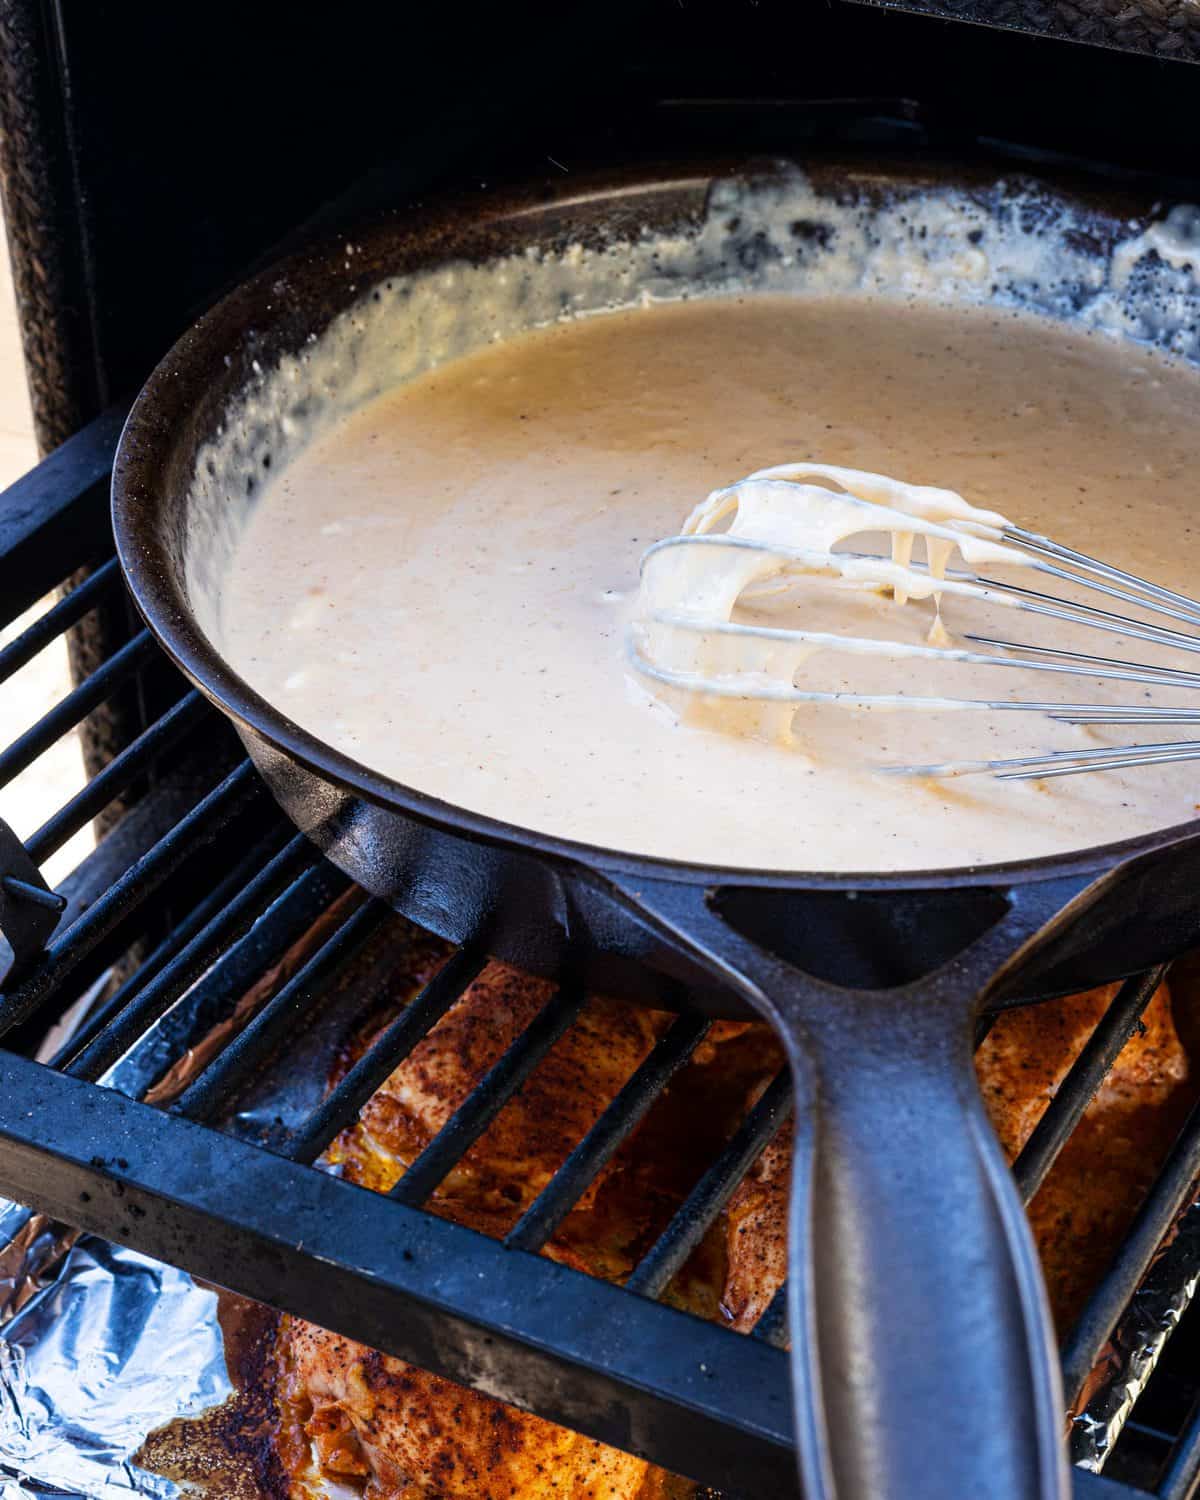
<point>1057,762</point>
<point>768,527</point>
<point>1099,667</point>
<point>1035,543</point>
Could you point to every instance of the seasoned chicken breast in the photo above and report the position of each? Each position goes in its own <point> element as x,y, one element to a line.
<point>405,1434</point>
<point>1092,1192</point>
<point>395,1432</point>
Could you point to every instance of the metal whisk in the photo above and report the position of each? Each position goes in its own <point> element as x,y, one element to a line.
<point>783,526</point>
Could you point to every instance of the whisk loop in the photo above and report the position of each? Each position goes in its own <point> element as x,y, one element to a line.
<point>784,523</point>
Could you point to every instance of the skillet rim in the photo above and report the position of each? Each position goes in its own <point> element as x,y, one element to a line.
<point>149,436</point>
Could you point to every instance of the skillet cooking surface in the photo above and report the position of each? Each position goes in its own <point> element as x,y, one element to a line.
<point>165,519</point>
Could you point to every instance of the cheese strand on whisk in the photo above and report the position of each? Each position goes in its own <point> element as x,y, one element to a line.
<point>781,528</point>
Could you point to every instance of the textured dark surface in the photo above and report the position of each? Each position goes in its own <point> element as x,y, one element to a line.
<point>1169,29</point>
<point>42,220</point>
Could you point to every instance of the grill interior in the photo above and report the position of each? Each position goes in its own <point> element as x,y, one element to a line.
<point>193,896</point>
<point>202,888</point>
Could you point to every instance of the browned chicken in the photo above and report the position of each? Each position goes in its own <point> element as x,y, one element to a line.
<point>399,1433</point>
<point>1087,1202</point>
<point>1092,1192</point>
<point>404,1432</point>
<point>407,1435</point>
<point>506,1169</point>
<point>756,1235</point>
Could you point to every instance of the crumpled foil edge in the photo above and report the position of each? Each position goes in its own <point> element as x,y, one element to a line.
<point>1128,1360</point>
<point>100,1345</point>
<point>114,1346</point>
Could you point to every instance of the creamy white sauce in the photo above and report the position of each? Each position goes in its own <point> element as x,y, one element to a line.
<point>691,643</point>
<point>441,584</point>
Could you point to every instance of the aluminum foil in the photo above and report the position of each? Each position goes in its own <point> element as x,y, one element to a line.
<point>1168,29</point>
<point>116,1345</point>
<point>1128,1360</point>
<point>100,1345</point>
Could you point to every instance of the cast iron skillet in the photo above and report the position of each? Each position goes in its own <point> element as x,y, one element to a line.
<point>924,1366</point>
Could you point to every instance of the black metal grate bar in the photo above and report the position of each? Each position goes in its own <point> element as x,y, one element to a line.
<point>213,904</point>
<point>1087,1073</point>
<point>1095,1487</point>
<point>692,1397</point>
<point>341,1105</point>
<point>67,612</point>
<point>213,997</point>
<point>713,1191</point>
<point>616,1124</point>
<point>226,927</point>
<point>184,931</point>
<point>772,1327</point>
<point>281,1014</point>
<point>1148,1431</point>
<point>1182,1477</point>
<point>1168,1195</point>
<point>489,1096</point>
<point>68,711</point>
<point>240,789</point>
<point>55,518</point>
<point>400,1279</point>
<point>120,773</point>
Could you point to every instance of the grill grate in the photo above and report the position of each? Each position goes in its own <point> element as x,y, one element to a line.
<point>615,1125</point>
<point>1099,1053</point>
<point>211,887</point>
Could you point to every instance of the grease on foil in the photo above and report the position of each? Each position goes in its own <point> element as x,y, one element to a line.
<point>114,1347</point>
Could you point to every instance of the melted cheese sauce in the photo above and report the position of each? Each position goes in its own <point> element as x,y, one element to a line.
<point>441,586</point>
<point>695,629</point>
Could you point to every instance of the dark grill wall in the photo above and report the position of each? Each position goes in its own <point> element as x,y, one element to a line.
<point>151,151</point>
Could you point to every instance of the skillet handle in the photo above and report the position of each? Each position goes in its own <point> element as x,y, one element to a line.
<point>917,1300</point>
<point>924,1365</point>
